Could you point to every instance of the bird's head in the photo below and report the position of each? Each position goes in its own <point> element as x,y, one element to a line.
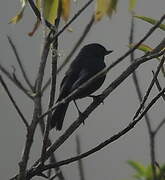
<point>95,50</point>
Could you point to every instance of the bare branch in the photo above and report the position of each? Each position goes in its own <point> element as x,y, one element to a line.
<point>73,19</point>
<point>13,102</point>
<point>80,163</point>
<point>19,62</point>
<point>53,86</point>
<point>115,137</point>
<point>158,86</point>
<point>159,126</point>
<point>16,83</point>
<point>150,87</point>
<point>37,110</point>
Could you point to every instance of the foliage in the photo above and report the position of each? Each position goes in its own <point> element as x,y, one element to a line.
<point>145,172</point>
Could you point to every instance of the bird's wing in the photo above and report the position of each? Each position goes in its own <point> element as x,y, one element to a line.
<point>70,78</point>
<point>83,76</point>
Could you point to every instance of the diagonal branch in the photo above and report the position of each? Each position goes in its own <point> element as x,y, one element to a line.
<point>15,82</point>
<point>150,86</point>
<point>14,103</point>
<point>73,19</point>
<point>19,62</point>
<point>158,86</point>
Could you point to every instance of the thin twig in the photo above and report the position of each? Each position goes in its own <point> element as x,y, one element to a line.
<point>14,103</point>
<point>16,83</point>
<point>80,163</point>
<point>73,19</point>
<point>53,86</point>
<point>38,15</point>
<point>20,62</point>
<point>159,126</point>
<point>150,87</point>
<point>158,86</point>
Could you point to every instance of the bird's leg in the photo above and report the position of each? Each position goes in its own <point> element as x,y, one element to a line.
<point>80,113</point>
<point>97,98</point>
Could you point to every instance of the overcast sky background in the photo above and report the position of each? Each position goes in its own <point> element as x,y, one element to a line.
<point>107,119</point>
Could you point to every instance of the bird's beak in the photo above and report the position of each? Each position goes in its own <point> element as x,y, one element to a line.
<point>108,52</point>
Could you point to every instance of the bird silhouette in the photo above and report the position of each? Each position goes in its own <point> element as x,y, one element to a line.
<point>88,62</point>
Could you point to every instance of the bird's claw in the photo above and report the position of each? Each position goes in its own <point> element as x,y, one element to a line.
<point>97,98</point>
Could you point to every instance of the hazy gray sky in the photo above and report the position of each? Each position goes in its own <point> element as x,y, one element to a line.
<point>107,119</point>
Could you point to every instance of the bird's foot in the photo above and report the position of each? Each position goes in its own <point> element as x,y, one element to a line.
<point>97,98</point>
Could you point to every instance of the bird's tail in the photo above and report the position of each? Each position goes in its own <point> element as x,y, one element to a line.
<point>58,116</point>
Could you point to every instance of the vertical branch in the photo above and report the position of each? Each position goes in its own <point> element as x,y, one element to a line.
<point>46,140</point>
<point>53,85</point>
<point>80,164</point>
<point>37,110</point>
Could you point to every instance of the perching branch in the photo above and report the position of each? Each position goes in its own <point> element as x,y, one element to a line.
<point>115,137</point>
<point>95,104</point>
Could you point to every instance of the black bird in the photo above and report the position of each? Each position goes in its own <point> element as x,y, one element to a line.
<point>88,62</point>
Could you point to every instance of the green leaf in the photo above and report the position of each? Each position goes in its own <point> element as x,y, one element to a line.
<point>151,21</point>
<point>145,48</point>
<point>140,169</point>
<point>132,4</point>
<point>149,175</point>
<point>50,10</point>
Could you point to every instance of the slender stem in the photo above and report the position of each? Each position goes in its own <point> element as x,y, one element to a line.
<point>13,102</point>
<point>17,83</point>
<point>158,86</point>
<point>150,87</point>
<point>159,126</point>
<point>53,86</point>
<point>80,163</point>
<point>73,19</point>
<point>20,62</point>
